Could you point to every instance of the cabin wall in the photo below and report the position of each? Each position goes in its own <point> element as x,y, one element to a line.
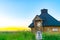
<point>48,29</point>
<point>51,29</point>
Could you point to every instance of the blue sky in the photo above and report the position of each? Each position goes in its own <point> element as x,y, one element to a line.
<point>22,12</point>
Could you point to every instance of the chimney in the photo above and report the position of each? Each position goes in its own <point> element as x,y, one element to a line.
<point>44,10</point>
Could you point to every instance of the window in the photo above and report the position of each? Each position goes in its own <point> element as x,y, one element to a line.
<point>55,29</point>
<point>39,24</point>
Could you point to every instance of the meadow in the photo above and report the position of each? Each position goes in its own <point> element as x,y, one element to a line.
<point>26,35</point>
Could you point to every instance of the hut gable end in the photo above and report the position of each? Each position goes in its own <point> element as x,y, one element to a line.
<point>37,18</point>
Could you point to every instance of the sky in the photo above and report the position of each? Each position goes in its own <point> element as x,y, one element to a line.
<point>22,12</point>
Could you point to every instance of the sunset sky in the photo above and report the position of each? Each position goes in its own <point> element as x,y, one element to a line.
<point>21,12</point>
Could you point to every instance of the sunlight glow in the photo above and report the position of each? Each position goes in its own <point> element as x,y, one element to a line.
<point>11,22</point>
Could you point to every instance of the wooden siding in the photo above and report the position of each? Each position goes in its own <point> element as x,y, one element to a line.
<point>46,29</point>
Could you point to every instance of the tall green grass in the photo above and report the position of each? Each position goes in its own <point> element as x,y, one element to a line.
<point>22,35</point>
<point>26,35</point>
<point>51,36</point>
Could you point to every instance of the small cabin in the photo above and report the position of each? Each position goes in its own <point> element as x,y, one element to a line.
<point>45,22</point>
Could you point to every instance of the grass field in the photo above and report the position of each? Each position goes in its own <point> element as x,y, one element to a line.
<point>51,36</point>
<point>26,35</point>
<point>17,35</point>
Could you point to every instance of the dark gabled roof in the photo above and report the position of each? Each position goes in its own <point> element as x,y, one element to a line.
<point>48,20</point>
<point>31,25</point>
